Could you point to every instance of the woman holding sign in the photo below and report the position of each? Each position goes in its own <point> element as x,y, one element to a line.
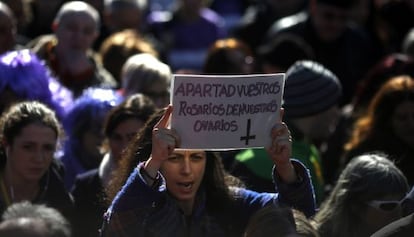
<point>176,192</point>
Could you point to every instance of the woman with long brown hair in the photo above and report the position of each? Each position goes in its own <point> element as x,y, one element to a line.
<point>180,192</point>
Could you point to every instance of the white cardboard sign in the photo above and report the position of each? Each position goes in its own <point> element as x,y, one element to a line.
<point>225,112</point>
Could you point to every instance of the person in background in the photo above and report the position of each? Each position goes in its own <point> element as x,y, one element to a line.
<point>384,22</point>
<point>231,11</point>
<point>271,221</point>
<point>125,14</point>
<point>292,47</point>
<point>42,13</point>
<point>29,136</point>
<point>90,188</point>
<point>391,23</point>
<point>25,219</point>
<point>279,222</point>
<point>7,29</point>
<point>387,126</point>
<point>146,74</point>
<point>23,76</point>
<point>259,17</point>
<point>187,31</point>
<point>337,44</point>
<point>229,56</point>
<point>168,191</point>
<point>68,52</point>
<point>119,15</point>
<point>119,46</point>
<point>83,129</point>
<point>392,65</point>
<point>358,205</point>
<point>310,99</point>
<point>21,17</point>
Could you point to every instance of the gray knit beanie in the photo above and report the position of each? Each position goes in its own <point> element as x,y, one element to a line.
<point>310,88</point>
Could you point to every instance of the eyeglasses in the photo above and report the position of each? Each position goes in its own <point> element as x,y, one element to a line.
<point>384,205</point>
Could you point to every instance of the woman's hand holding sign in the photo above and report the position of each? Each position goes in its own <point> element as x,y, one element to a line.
<point>280,150</point>
<point>164,141</point>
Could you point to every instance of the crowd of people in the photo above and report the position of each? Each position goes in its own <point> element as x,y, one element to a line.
<point>86,148</point>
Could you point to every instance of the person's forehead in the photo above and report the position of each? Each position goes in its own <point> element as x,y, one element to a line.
<point>187,151</point>
<point>36,128</point>
<point>78,16</point>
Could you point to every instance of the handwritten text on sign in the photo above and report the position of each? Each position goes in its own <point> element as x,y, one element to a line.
<point>225,112</point>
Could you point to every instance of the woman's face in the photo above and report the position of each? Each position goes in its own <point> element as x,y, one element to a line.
<point>122,135</point>
<point>403,122</point>
<point>30,154</point>
<point>183,172</point>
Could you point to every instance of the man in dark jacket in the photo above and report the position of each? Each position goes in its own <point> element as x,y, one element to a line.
<point>341,47</point>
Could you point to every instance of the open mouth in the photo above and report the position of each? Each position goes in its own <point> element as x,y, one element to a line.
<point>186,185</point>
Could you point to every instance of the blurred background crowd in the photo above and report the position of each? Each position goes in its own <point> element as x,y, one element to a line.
<point>105,66</point>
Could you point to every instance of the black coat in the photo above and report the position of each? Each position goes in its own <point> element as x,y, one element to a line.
<point>90,204</point>
<point>52,192</point>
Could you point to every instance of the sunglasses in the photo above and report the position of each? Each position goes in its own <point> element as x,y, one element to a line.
<point>384,205</point>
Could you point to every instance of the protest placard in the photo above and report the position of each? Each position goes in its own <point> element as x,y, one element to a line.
<point>225,112</point>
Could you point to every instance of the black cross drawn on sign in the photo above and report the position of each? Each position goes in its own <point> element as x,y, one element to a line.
<point>248,136</point>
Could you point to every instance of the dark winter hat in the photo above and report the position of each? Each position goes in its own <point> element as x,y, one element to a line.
<point>310,88</point>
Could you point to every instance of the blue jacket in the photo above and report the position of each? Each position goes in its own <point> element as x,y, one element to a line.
<point>139,210</point>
